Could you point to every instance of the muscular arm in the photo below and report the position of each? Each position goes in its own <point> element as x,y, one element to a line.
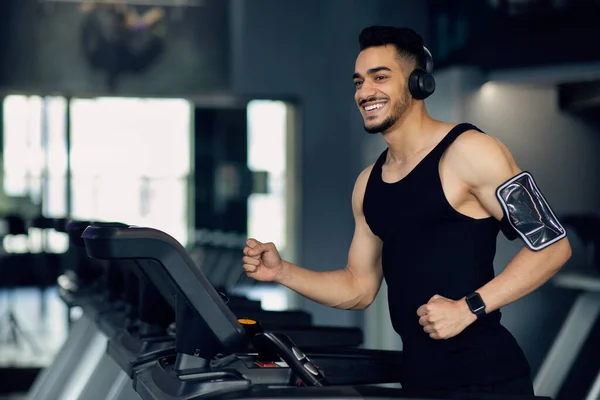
<point>487,163</point>
<point>482,164</point>
<point>355,286</point>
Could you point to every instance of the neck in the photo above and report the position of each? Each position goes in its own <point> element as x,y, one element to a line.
<point>410,134</point>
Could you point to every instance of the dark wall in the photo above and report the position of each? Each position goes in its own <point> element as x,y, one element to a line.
<point>464,31</point>
<point>307,50</point>
<point>45,51</point>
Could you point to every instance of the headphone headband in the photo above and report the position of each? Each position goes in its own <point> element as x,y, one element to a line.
<point>428,60</point>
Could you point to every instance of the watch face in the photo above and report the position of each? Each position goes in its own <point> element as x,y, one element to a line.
<point>475,303</point>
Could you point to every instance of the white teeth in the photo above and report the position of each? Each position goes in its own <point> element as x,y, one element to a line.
<point>374,106</point>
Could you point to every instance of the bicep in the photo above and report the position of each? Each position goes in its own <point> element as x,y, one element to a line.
<point>491,165</point>
<point>486,168</point>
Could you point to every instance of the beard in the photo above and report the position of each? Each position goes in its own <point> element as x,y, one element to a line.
<point>398,109</point>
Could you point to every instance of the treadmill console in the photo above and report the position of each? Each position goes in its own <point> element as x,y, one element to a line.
<point>209,336</point>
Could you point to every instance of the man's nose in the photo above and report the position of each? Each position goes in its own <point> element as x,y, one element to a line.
<point>366,91</point>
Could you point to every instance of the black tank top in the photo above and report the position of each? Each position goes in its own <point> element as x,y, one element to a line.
<point>430,248</point>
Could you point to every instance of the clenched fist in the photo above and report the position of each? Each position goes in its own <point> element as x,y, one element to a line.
<point>443,318</point>
<point>262,261</point>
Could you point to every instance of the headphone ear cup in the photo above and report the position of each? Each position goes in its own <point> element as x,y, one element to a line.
<point>413,83</point>
<point>427,85</point>
<point>421,84</point>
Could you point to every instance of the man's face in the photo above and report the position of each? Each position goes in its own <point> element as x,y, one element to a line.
<point>382,94</point>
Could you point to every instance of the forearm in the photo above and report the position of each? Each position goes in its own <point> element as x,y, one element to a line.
<point>526,272</point>
<point>337,288</point>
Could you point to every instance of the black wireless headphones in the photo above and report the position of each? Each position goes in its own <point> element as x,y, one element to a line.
<point>421,82</point>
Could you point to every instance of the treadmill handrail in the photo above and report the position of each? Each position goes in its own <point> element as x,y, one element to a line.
<point>149,243</point>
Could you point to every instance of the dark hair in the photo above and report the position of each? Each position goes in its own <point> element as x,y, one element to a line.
<point>409,44</point>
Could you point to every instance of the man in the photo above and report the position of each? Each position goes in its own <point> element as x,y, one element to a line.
<point>427,215</point>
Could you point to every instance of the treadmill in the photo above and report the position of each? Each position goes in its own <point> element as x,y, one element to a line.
<point>132,352</point>
<point>130,316</point>
<point>81,369</point>
<point>125,332</point>
<point>118,303</point>
<point>221,356</point>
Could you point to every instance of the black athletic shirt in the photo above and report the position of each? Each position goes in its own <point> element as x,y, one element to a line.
<point>430,248</point>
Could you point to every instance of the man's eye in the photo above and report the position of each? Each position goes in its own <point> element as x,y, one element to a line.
<point>380,77</point>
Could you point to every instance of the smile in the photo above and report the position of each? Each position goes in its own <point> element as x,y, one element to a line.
<point>373,108</point>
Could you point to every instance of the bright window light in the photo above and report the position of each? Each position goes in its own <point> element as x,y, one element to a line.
<point>131,161</point>
<point>267,131</point>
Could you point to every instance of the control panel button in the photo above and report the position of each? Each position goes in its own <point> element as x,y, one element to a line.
<point>311,368</point>
<point>299,355</point>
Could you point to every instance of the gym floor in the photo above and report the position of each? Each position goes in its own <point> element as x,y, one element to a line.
<point>31,343</point>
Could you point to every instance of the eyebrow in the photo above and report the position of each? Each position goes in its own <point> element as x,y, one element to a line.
<point>371,71</point>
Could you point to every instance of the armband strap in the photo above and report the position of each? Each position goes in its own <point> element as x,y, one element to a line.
<point>527,214</point>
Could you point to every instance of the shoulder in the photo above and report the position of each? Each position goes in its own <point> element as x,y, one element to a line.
<point>478,158</point>
<point>360,186</point>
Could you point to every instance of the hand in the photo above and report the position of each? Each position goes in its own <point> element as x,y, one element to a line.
<point>443,318</point>
<point>262,261</point>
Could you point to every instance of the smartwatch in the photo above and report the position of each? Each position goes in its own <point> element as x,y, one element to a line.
<point>476,304</point>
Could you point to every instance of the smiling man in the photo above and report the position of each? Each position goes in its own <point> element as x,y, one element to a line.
<point>427,214</point>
